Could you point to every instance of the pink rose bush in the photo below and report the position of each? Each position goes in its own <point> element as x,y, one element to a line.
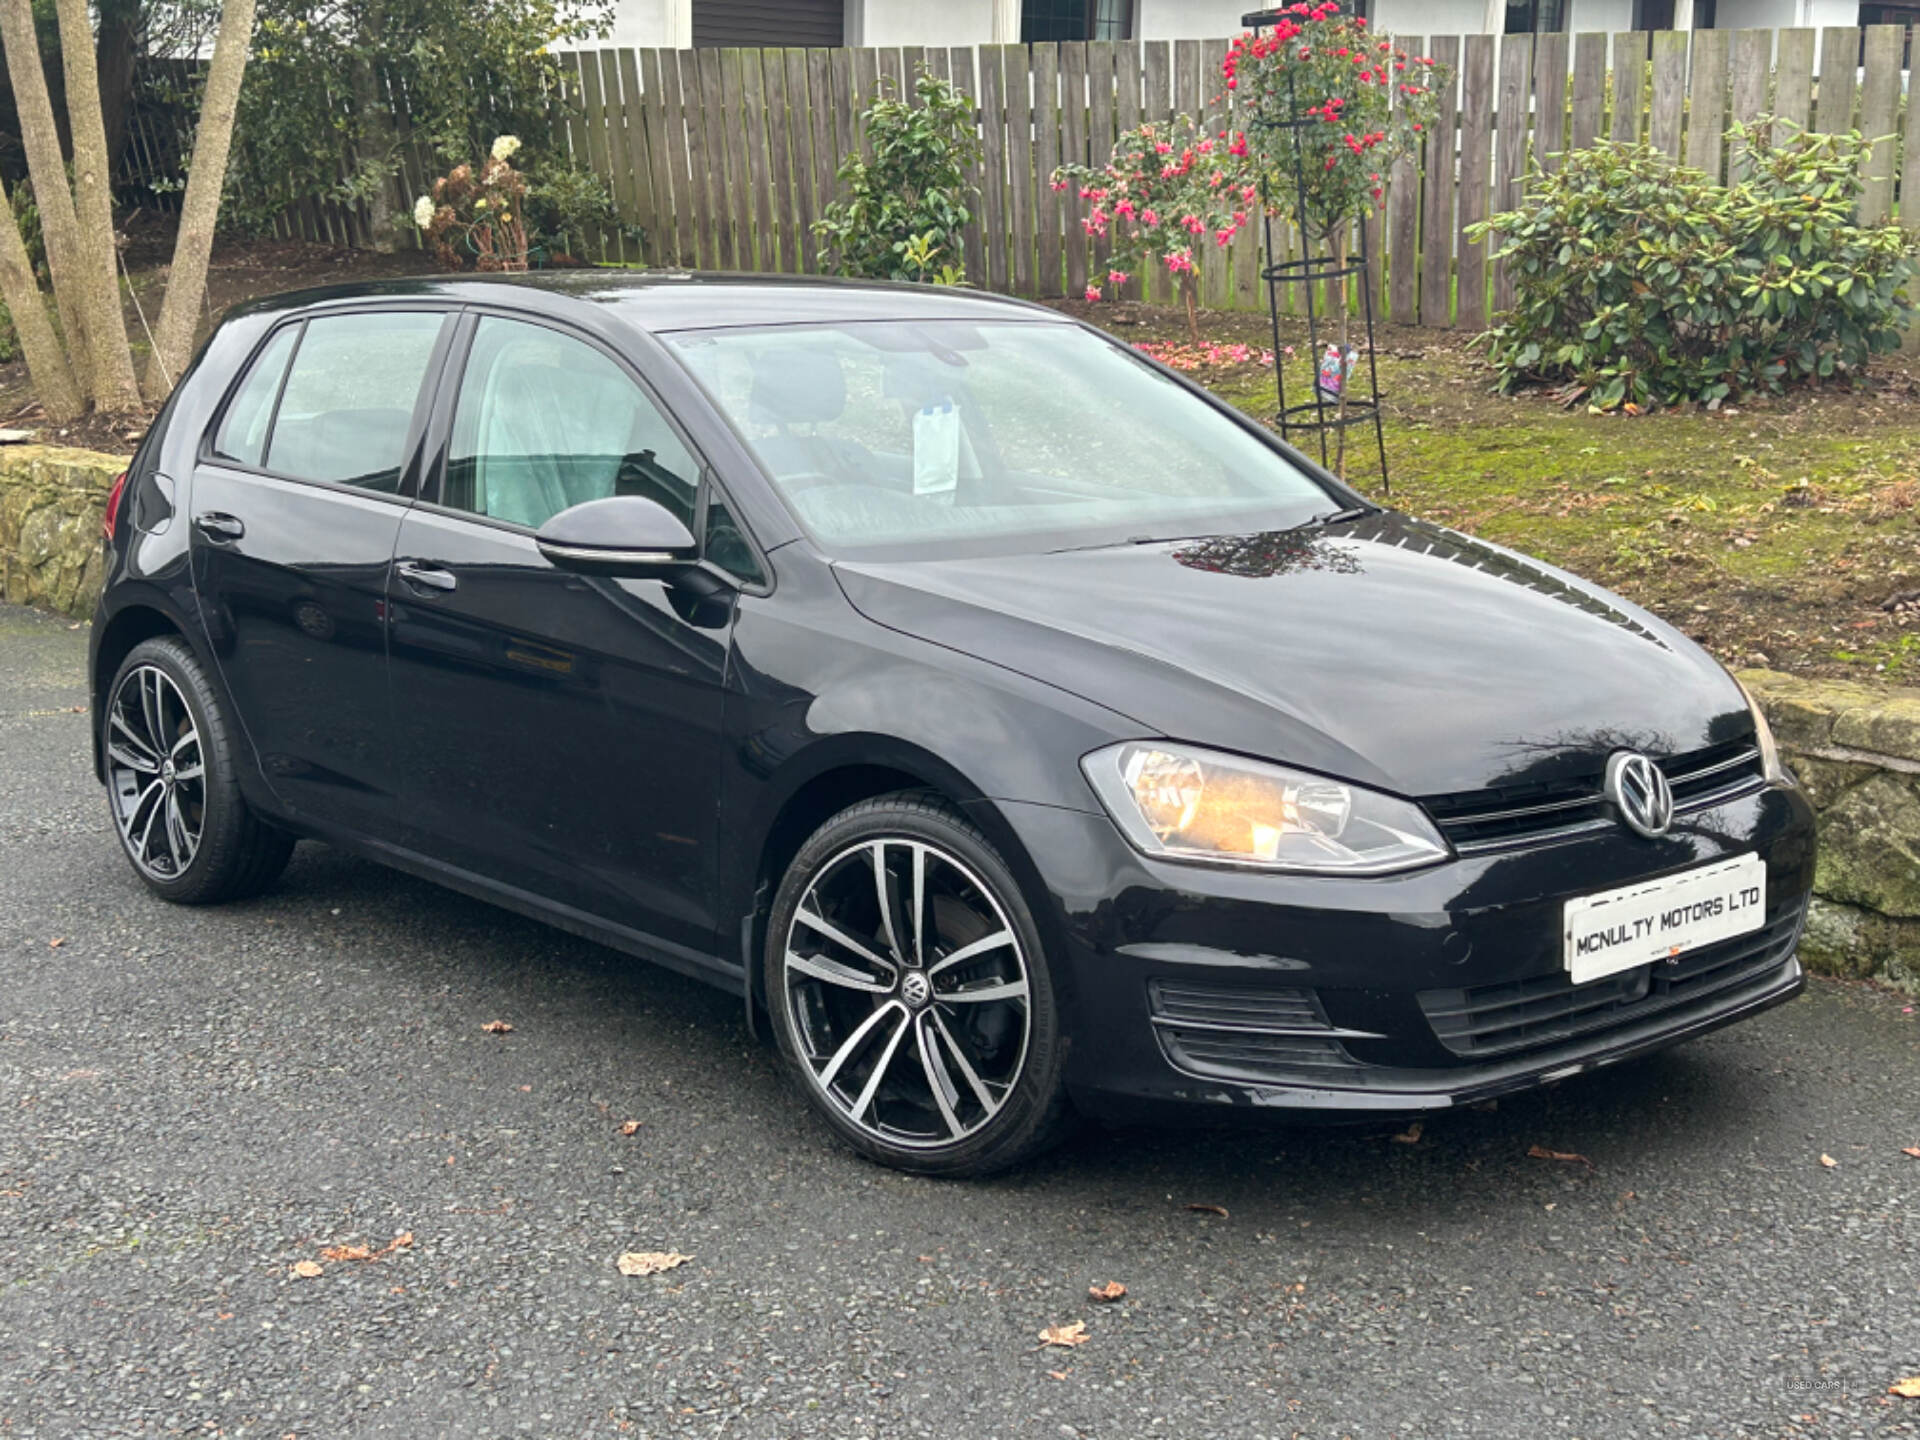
<point>1171,194</point>
<point>1372,104</point>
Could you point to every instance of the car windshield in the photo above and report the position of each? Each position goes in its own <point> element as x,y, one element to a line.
<point>952,437</point>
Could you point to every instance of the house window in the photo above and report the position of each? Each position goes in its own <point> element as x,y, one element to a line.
<point>1535,17</point>
<point>1047,20</point>
<point>1889,15</point>
<point>769,22</point>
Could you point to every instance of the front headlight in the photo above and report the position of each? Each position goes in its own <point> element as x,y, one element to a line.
<point>1770,763</point>
<point>1183,803</point>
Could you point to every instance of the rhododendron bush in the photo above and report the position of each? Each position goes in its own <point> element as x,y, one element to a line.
<point>1172,194</point>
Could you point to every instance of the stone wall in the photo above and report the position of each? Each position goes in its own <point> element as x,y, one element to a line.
<point>51,499</point>
<point>1856,748</point>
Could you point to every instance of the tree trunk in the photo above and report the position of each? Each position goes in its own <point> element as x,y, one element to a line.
<point>47,364</point>
<point>115,52</point>
<point>115,387</point>
<point>47,166</point>
<point>213,139</point>
<point>375,143</point>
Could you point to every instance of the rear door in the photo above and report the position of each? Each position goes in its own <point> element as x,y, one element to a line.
<point>295,505</point>
<point>560,734</point>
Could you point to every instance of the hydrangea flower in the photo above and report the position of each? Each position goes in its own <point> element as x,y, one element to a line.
<point>505,146</point>
<point>423,211</point>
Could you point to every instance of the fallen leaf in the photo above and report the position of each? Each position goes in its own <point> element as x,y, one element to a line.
<point>1912,1152</point>
<point>56,942</point>
<point>1066,1336</point>
<point>1828,1161</point>
<point>308,1269</point>
<point>632,1127</point>
<point>1907,1389</point>
<point>1058,1374</point>
<point>1408,1136</point>
<point>1107,1293</point>
<point>497,1027</point>
<point>1219,1210</point>
<point>650,1262</point>
<point>1540,1152</point>
<point>338,1253</point>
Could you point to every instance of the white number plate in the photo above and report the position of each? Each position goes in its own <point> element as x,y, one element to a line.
<point>1659,919</point>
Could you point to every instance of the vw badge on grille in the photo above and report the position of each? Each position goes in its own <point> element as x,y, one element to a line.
<point>1639,792</point>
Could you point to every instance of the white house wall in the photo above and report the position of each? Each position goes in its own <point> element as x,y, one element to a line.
<point>920,22</point>
<point>642,23</point>
<point>1190,19</point>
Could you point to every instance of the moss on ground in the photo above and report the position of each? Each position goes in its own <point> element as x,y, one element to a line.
<point>1774,531</point>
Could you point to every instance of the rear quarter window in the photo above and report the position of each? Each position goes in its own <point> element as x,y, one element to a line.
<point>242,437</point>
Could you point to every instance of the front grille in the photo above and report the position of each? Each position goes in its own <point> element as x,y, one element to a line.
<point>1238,1033</point>
<point>1504,817</point>
<point>1488,1020</point>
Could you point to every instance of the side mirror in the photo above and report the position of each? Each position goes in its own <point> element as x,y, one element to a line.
<point>624,536</point>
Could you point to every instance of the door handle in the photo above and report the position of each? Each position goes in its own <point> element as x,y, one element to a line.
<point>217,525</point>
<point>426,577</point>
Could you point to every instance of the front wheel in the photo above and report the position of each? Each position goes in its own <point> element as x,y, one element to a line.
<point>910,993</point>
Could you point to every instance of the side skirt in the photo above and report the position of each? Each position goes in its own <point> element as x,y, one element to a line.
<point>714,970</point>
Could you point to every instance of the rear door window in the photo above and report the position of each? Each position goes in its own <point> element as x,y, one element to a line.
<point>347,407</point>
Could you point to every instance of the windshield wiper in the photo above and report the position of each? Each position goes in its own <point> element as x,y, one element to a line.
<point>1352,512</point>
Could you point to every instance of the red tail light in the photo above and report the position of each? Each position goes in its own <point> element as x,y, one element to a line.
<point>112,516</point>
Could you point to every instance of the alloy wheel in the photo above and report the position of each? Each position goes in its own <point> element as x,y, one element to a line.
<point>156,773</point>
<point>908,992</point>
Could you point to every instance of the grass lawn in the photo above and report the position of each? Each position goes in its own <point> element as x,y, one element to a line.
<point>1776,533</point>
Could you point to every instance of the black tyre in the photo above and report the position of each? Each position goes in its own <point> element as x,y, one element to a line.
<point>172,784</point>
<point>910,993</point>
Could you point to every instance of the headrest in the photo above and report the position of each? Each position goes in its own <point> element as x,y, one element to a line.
<point>789,387</point>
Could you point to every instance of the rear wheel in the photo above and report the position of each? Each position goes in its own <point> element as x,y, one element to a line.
<point>172,786</point>
<point>910,993</point>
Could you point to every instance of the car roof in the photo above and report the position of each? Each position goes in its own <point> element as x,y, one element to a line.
<point>664,300</point>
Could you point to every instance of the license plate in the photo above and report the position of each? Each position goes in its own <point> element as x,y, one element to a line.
<point>1660,919</point>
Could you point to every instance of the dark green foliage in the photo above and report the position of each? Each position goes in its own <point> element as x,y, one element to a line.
<point>566,206</point>
<point>905,209</point>
<point>1642,282</point>
<point>332,83</point>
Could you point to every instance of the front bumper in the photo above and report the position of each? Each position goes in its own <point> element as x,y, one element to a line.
<point>1188,989</point>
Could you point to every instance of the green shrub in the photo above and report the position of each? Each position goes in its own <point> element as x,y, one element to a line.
<point>566,205</point>
<point>1638,281</point>
<point>905,209</point>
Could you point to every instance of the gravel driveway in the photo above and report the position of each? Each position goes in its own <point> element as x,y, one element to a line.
<point>193,1102</point>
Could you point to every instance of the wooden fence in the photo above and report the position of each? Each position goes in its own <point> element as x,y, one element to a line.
<point>726,156</point>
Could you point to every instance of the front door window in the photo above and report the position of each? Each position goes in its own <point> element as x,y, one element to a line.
<point>545,422</point>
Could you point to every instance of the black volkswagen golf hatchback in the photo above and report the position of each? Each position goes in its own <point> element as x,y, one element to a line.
<point>1018,727</point>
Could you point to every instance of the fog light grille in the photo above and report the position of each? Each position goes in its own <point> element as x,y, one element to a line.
<point>1240,1033</point>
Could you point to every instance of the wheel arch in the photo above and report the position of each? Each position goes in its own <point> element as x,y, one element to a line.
<point>841,773</point>
<point>136,620</point>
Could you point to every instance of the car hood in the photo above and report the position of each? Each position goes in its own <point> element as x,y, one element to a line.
<point>1385,650</point>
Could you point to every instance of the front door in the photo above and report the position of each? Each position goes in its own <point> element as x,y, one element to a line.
<point>559,734</point>
<point>295,509</point>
